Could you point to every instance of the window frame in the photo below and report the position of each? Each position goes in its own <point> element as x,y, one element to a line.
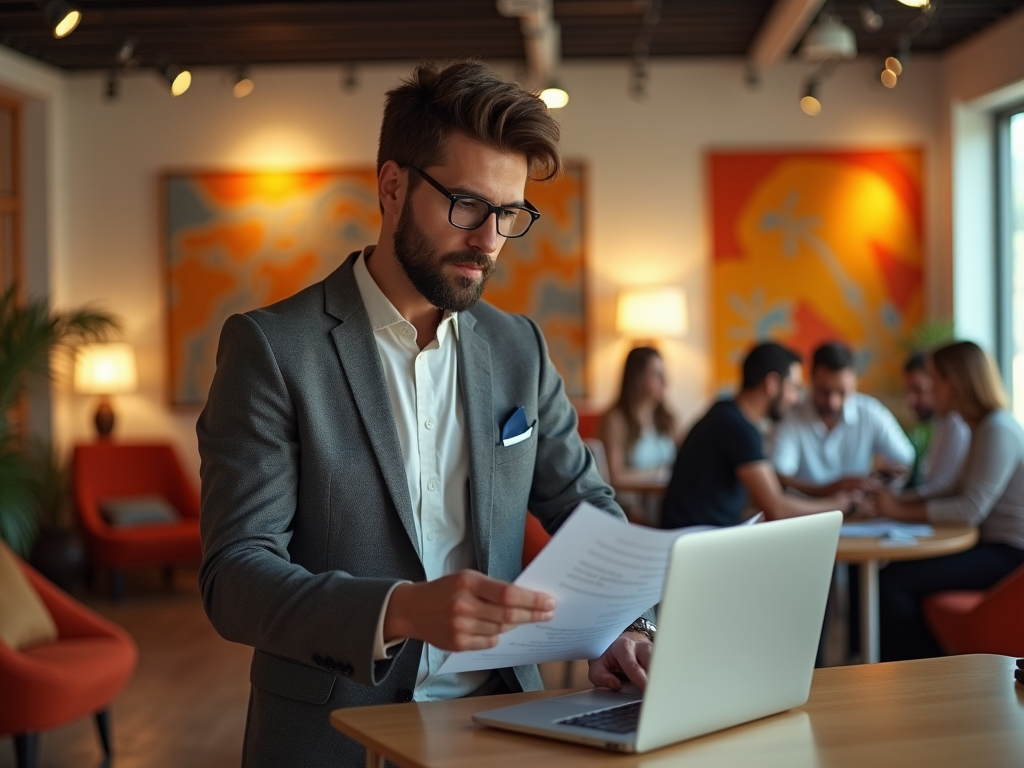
<point>1004,245</point>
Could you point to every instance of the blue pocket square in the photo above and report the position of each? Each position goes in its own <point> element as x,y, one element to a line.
<point>514,425</point>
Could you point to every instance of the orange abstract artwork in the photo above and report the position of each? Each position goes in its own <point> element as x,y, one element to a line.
<point>238,241</point>
<point>810,247</point>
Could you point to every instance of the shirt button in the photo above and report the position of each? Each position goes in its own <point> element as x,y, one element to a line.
<point>428,424</point>
<point>432,485</point>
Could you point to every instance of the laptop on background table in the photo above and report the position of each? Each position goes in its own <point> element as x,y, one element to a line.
<point>738,630</point>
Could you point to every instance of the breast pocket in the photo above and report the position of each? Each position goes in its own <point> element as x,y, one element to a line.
<point>503,454</point>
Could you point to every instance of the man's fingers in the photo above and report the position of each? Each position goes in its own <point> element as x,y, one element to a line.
<point>504,594</point>
<point>602,677</point>
<point>632,668</point>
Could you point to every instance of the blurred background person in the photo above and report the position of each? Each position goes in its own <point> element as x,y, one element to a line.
<point>639,431</point>
<point>940,440</point>
<point>835,439</point>
<point>721,464</point>
<point>989,493</point>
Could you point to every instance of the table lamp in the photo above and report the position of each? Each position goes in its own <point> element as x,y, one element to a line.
<point>105,370</point>
<point>652,313</point>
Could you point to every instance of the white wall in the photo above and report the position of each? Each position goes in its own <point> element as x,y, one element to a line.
<point>647,215</point>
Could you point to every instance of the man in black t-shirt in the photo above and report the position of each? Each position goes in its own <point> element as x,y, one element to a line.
<point>721,463</point>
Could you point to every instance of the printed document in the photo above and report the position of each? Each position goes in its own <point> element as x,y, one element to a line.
<point>603,572</point>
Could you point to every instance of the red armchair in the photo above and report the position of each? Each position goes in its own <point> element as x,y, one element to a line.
<point>79,674</point>
<point>989,621</point>
<point>108,470</point>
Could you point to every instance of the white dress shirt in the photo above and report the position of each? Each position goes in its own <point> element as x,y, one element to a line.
<point>423,386</point>
<point>808,451</point>
<point>947,451</point>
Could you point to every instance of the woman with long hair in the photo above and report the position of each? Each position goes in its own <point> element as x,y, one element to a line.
<point>989,494</point>
<point>638,431</point>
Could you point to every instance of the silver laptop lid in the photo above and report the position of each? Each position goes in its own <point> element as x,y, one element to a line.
<point>739,626</point>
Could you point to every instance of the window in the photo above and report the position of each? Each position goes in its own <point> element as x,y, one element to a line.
<point>1011,272</point>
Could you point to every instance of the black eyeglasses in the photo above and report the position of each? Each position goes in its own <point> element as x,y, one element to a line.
<point>469,211</point>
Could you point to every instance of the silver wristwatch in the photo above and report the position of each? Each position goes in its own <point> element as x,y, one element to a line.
<point>644,627</point>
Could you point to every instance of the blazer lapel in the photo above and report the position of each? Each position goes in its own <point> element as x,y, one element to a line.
<point>475,384</point>
<point>360,360</point>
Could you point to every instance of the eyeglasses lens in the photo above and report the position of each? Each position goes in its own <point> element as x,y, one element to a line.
<point>469,213</point>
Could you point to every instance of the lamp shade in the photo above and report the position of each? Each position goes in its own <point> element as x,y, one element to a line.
<point>652,313</point>
<point>105,369</point>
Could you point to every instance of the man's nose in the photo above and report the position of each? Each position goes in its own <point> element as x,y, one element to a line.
<point>485,238</point>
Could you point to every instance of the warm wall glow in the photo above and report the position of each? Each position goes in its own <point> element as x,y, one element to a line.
<point>652,313</point>
<point>105,369</point>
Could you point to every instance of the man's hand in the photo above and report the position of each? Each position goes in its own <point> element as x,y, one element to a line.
<point>465,611</point>
<point>853,483</point>
<point>630,655</point>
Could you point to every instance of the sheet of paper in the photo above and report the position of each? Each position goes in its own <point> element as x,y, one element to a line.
<point>883,528</point>
<point>603,572</point>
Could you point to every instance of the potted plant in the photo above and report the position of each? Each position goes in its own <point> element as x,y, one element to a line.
<point>29,332</point>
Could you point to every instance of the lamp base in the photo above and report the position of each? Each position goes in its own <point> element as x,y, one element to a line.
<point>104,419</point>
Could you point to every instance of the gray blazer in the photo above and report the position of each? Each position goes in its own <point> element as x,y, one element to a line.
<point>306,518</point>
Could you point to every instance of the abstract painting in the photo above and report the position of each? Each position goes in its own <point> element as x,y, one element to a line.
<point>238,241</point>
<point>809,247</point>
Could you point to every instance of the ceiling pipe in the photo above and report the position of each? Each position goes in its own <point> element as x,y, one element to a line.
<point>542,37</point>
<point>782,28</point>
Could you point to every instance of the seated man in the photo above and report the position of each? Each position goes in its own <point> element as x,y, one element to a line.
<point>721,463</point>
<point>832,441</point>
<point>940,441</point>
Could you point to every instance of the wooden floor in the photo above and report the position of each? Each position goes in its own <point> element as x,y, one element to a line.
<point>185,706</point>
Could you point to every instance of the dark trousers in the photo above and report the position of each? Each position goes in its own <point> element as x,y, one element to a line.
<point>902,587</point>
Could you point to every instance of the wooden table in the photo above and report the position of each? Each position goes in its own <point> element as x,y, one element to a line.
<point>869,553</point>
<point>942,713</point>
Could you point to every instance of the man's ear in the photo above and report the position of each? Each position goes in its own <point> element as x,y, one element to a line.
<point>392,185</point>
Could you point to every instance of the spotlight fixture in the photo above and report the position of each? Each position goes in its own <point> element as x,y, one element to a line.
<point>829,40</point>
<point>870,16</point>
<point>350,79</point>
<point>179,78</point>
<point>809,103</point>
<point>555,97</point>
<point>889,78</point>
<point>892,64</point>
<point>125,55</point>
<point>60,17</point>
<point>916,3</point>
<point>243,84</point>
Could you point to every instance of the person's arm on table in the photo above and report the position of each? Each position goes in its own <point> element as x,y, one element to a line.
<point>766,494</point>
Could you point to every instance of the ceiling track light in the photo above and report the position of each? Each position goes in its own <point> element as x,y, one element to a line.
<point>810,103</point>
<point>554,96</point>
<point>829,39</point>
<point>243,84</point>
<point>125,54</point>
<point>113,88</point>
<point>870,16</point>
<point>178,77</point>
<point>60,17</point>
<point>916,3</point>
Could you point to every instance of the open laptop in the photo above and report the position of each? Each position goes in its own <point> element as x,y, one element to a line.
<point>738,630</point>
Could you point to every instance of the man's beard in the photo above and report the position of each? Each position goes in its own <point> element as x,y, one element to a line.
<point>776,412</point>
<point>425,270</point>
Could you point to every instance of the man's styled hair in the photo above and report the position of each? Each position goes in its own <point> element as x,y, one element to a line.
<point>766,358</point>
<point>832,356</point>
<point>467,97</point>
<point>916,362</point>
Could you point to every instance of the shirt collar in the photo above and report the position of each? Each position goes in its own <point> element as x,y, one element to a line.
<point>381,311</point>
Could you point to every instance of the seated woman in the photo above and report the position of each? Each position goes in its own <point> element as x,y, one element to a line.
<point>638,431</point>
<point>989,493</point>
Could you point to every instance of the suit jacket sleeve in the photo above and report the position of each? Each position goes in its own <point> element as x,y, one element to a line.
<point>251,590</point>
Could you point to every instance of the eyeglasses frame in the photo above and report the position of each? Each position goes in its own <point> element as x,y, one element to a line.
<point>453,198</point>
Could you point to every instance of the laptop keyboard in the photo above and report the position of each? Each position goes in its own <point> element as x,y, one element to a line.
<point>620,719</point>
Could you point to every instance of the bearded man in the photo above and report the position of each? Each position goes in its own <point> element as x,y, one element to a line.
<point>721,470</point>
<point>371,445</point>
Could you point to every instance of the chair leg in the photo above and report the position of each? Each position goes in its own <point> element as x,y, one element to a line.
<point>26,749</point>
<point>117,585</point>
<point>103,726</point>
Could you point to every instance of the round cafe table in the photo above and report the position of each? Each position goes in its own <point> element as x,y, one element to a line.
<point>870,553</point>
